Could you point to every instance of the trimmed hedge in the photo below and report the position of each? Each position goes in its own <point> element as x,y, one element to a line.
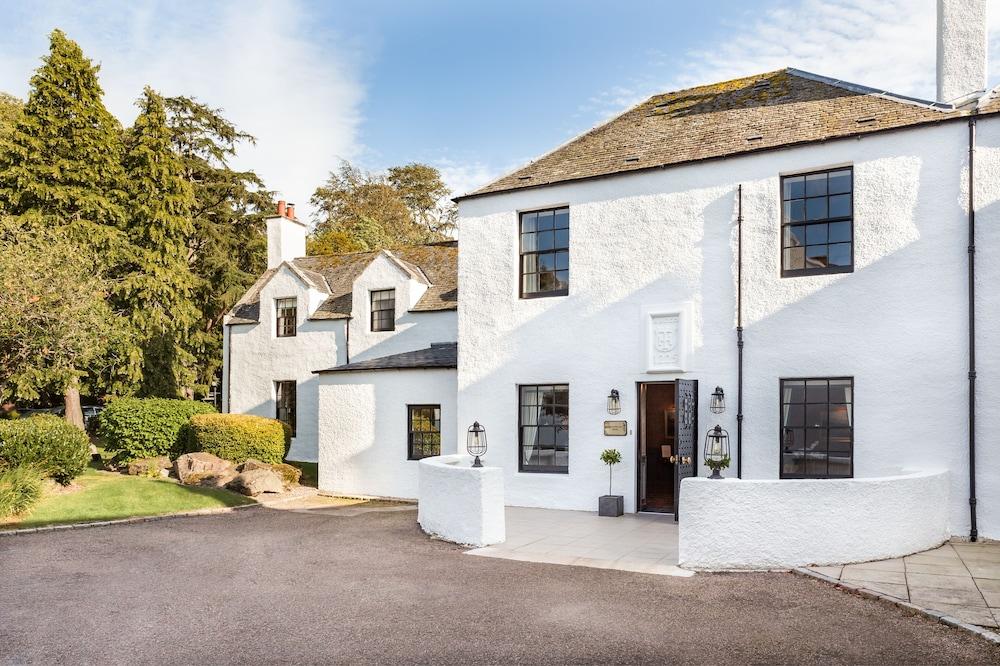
<point>52,445</point>
<point>132,428</point>
<point>20,488</point>
<point>239,437</point>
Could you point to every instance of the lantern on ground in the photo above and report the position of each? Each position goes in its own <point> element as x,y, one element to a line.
<point>718,402</point>
<point>475,442</point>
<point>717,451</point>
<point>614,402</point>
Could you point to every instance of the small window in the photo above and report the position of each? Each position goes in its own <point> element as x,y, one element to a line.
<point>817,428</point>
<point>284,400</point>
<point>285,311</point>
<point>384,310</point>
<point>544,253</point>
<point>817,223</point>
<point>424,438</point>
<point>544,428</point>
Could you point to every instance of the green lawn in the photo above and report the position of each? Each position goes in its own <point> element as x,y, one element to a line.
<point>109,496</point>
<point>310,473</point>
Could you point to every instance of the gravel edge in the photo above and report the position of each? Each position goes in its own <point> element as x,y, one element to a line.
<point>943,618</point>
<point>128,521</point>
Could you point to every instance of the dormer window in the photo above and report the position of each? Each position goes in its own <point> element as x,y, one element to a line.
<point>383,308</point>
<point>285,315</point>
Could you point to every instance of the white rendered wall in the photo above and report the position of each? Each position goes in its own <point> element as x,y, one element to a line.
<point>258,358</point>
<point>897,324</point>
<point>414,330</point>
<point>461,503</point>
<point>755,524</point>
<point>363,428</point>
<point>962,48</point>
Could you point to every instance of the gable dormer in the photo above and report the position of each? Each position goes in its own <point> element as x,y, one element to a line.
<point>287,282</point>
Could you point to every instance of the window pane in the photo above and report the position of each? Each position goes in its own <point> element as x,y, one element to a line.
<point>562,218</point>
<point>530,283</point>
<point>840,254</point>
<point>529,263</point>
<point>528,221</point>
<point>528,243</point>
<point>816,184</point>
<point>546,262</point>
<point>816,209</point>
<point>840,390</point>
<point>793,416</point>
<point>793,464</point>
<point>545,240</point>
<point>816,256</point>
<point>528,395</point>
<point>794,258</point>
<point>840,231</point>
<point>816,440</point>
<point>546,281</point>
<point>562,279</point>
<point>795,236</point>
<point>840,440</point>
<point>816,415</point>
<point>840,181</point>
<point>545,220</point>
<point>815,233</point>
<point>794,187</point>
<point>529,415</point>
<point>795,210</point>
<point>839,466</point>
<point>562,261</point>
<point>793,439</point>
<point>840,415</point>
<point>562,238</point>
<point>840,205</point>
<point>816,464</point>
<point>816,390</point>
<point>793,391</point>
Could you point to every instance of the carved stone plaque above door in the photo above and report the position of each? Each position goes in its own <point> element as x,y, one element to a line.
<point>667,338</point>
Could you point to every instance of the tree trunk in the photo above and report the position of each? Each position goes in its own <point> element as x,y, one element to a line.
<point>71,398</point>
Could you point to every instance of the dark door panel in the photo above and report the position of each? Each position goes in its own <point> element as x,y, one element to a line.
<point>686,436</point>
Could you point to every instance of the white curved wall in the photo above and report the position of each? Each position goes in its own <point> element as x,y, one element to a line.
<point>461,503</point>
<point>760,524</point>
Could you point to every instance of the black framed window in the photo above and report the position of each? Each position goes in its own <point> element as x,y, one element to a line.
<point>817,223</point>
<point>817,428</point>
<point>383,302</point>
<point>544,253</point>
<point>543,426</point>
<point>285,312</point>
<point>424,431</point>
<point>284,401</point>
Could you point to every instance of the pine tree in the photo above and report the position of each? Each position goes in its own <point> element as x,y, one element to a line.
<point>157,289</point>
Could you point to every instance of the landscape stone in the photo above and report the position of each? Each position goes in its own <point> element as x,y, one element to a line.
<point>143,466</point>
<point>253,482</point>
<point>204,469</point>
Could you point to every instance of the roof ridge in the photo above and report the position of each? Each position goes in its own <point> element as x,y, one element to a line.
<point>357,253</point>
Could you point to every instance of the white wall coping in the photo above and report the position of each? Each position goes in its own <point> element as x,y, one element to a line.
<point>770,523</point>
<point>461,503</point>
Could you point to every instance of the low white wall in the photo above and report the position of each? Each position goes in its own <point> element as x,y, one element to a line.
<point>766,524</point>
<point>461,503</point>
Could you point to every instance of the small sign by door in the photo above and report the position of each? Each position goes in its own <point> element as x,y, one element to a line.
<point>616,428</point>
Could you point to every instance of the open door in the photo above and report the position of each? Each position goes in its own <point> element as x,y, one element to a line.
<point>686,435</point>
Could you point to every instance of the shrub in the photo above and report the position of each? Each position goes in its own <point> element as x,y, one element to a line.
<point>56,448</point>
<point>20,488</point>
<point>239,437</point>
<point>133,428</point>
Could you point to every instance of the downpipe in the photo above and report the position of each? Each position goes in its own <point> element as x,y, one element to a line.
<point>973,533</point>
<point>739,331</point>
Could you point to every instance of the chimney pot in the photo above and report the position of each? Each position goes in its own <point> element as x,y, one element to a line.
<point>281,208</point>
<point>291,211</point>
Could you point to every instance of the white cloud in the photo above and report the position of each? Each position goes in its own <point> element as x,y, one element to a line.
<point>276,74</point>
<point>462,178</point>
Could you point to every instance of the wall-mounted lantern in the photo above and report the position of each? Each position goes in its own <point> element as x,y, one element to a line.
<point>475,442</point>
<point>717,451</point>
<point>718,403</point>
<point>614,402</point>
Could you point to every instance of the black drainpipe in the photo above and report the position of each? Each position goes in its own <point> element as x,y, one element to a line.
<point>739,331</point>
<point>973,533</point>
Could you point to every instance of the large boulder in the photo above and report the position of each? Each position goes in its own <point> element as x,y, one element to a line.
<point>204,469</point>
<point>289,474</point>
<point>156,466</point>
<point>253,482</point>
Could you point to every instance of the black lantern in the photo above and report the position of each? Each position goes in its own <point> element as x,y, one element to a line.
<point>614,402</point>
<point>718,403</point>
<point>475,442</point>
<point>717,451</point>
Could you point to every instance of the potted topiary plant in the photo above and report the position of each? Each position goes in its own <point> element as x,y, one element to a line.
<point>611,505</point>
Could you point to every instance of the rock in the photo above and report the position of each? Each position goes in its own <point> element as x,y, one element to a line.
<point>145,466</point>
<point>253,482</point>
<point>204,469</point>
<point>289,474</point>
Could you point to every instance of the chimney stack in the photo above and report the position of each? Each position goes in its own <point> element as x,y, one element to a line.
<point>286,236</point>
<point>961,49</point>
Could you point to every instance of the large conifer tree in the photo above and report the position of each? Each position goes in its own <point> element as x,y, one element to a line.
<point>158,285</point>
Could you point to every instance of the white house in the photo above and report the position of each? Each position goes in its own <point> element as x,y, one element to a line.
<point>826,224</point>
<point>356,352</point>
<point>804,244</point>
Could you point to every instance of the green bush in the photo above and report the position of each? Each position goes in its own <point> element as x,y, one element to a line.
<point>20,488</point>
<point>56,448</point>
<point>132,428</point>
<point>239,437</point>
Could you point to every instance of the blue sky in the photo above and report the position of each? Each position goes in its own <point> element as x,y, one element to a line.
<point>473,88</point>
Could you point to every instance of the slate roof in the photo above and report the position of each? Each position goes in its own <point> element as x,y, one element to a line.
<point>438,355</point>
<point>761,112</point>
<point>435,264</point>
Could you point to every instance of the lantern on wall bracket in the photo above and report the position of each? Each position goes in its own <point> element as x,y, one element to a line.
<point>614,402</point>
<point>718,403</point>
<point>475,442</point>
<point>717,451</point>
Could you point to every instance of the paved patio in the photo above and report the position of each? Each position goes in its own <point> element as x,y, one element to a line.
<point>960,578</point>
<point>645,543</point>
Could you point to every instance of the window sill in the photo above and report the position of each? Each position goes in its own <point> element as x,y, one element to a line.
<point>545,294</point>
<point>804,272</point>
<point>543,471</point>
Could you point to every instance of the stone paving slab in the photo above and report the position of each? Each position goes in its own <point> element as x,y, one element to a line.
<point>958,579</point>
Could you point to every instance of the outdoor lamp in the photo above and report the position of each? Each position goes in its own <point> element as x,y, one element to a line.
<point>475,442</point>
<point>717,451</point>
<point>718,403</point>
<point>614,402</point>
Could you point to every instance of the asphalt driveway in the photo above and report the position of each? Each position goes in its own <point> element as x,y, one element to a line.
<point>268,586</point>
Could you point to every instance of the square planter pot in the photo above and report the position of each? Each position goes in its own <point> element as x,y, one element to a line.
<point>611,505</point>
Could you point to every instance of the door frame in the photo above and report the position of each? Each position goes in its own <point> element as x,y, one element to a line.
<point>640,435</point>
